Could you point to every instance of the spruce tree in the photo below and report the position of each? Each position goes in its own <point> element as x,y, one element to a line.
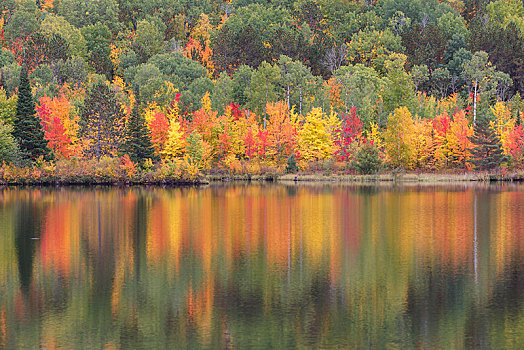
<point>487,153</point>
<point>137,142</point>
<point>28,130</point>
<point>3,84</point>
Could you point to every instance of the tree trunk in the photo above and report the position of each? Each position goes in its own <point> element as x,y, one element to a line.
<point>475,103</point>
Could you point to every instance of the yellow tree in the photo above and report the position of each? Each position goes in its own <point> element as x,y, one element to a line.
<point>399,138</point>
<point>314,137</point>
<point>176,143</point>
<point>282,129</point>
<point>176,139</point>
<point>422,142</point>
<point>458,139</point>
<point>441,152</point>
<point>503,124</point>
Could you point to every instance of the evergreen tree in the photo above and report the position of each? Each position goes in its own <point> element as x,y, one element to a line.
<point>100,121</point>
<point>137,143</point>
<point>3,84</point>
<point>28,130</point>
<point>487,153</point>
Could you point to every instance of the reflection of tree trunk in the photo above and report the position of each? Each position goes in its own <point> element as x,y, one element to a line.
<point>475,242</point>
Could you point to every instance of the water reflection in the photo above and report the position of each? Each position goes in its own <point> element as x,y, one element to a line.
<point>263,266</point>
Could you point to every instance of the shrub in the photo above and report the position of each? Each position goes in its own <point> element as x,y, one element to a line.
<point>367,160</point>
<point>291,166</point>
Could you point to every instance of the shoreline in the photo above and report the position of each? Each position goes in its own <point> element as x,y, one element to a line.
<point>404,178</point>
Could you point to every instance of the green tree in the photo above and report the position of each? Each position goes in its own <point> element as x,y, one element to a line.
<point>150,39</point>
<point>7,107</point>
<point>23,22</point>
<point>59,25</point>
<point>6,57</point>
<point>440,78</point>
<point>98,38</point>
<point>400,90</point>
<point>241,83</point>
<point>82,13</point>
<point>367,159</point>
<point>263,88</point>
<point>178,68</point>
<point>100,120</point>
<point>420,75</point>
<point>360,87</point>
<point>223,92</point>
<point>487,153</point>
<point>298,82</point>
<point>137,141</point>
<point>8,145</point>
<point>27,129</point>
<point>477,72</point>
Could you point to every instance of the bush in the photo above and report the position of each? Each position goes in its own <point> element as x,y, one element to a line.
<point>367,160</point>
<point>291,166</point>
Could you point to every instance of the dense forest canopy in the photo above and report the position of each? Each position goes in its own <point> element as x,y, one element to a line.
<point>197,62</point>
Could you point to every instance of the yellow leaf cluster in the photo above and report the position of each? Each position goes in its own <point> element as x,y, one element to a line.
<point>175,144</point>
<point>314,138</point>
<point>503,123</point>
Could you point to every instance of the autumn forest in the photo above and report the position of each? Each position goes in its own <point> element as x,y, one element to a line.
<point>153,90</point>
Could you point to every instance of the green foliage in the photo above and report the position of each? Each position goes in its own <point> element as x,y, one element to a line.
<point>400,90</point>
<point>191,97</point>
<point>195,149</point>
<point>7,108</point>
<point>241,82</point>
<point>263,88</point>
<point>6,57</point>
<point>98,38</point>
<point>223,92</point>
<point>487,153</point>
<point>361,87</point>
<point>372,48</point>
<point>59,25</point>
<point>149,40</point>
<point>291,166</point>
<point>73,71</point>
<point>8,146</point>
<point>100,121</point>
<point>241,40</point>
<point>137,141</point>
<point>82,13</point>
<point>419,74</point>
<point>176,65</point>
<point>367,160</point>
<point>11,77</point>
<point>23,22</point>
<point>28,130</point>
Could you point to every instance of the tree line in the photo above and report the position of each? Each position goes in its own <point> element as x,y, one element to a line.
<point>247,86</point>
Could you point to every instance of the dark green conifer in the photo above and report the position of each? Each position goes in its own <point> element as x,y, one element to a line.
<point>137,142</point>
<point>28,130</point>
<point>3,85</point>
<point>488,153</point>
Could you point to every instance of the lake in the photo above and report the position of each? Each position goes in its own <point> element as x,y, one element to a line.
<point>263,266</point>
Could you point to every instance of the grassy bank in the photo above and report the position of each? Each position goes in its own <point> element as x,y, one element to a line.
<point>115,171</point>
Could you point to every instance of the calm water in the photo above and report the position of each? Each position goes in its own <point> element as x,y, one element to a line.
<point>263,267</point>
